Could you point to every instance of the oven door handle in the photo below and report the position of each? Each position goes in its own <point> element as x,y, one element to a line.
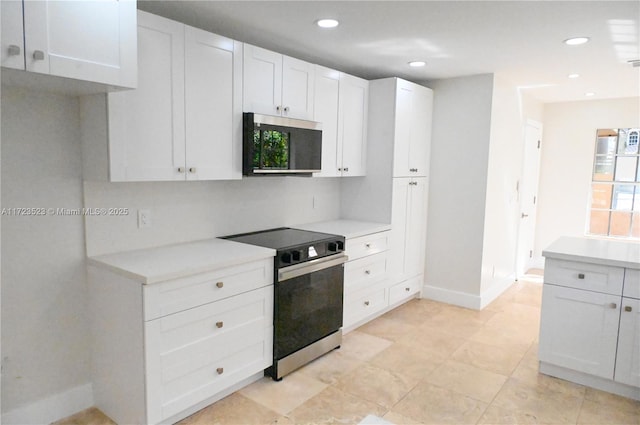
<point>290,272</point>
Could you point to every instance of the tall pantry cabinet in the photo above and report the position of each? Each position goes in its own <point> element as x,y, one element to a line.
<point>395,189</point>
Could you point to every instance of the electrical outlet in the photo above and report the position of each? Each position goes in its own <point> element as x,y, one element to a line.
<point>144,218</point>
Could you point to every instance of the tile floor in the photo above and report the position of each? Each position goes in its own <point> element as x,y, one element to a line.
<point>424,363</point>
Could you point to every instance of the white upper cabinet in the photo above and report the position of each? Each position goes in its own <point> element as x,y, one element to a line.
<point>413,129</point>
<point>274,84</point>
<point>84,40</point>
<point>326,112</point>
<point>341,105</point>
<point>184,120</point>
<point>352,125</point>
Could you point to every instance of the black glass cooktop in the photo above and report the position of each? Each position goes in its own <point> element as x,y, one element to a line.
<point>281,238</point>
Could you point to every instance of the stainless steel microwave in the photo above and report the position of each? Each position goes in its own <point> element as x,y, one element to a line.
<point>275,146</point>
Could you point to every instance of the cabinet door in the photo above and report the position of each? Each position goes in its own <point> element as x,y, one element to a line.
<point>628,358</point>
<point>212,106</point>
<point>325,111</point>
<point>399,228</point>
<point>262,81</point>
<point>579,330</point>
<point>12,41</point>
<point>416,227</point>
<point>84,40</point>
<point>146,125</point>
<point>413,130</point>
<point>352,124</point>
<point>297,88</point>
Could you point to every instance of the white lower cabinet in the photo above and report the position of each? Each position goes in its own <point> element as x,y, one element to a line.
<point>178,344</point>
<point>591,334</point>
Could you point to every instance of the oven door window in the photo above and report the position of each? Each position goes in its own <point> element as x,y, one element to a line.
<point>270,150</point>
<point>307,308</point>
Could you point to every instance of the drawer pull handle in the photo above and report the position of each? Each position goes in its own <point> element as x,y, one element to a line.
<point>613,305</point>
<point>627,308</point>
<point>219,324</point>
<point>38,55</point>
<point>219,284</point>
<point>14,50</point>
<point>581,276</point>
<point>367,271</point>
<point>220,370</point>
<point>366,303</point>
<point>407,289</point>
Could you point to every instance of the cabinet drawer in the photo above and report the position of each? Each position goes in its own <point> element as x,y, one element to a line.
<point>363,272</point>
<point>161,299</point>
<point>590,277</point>
<point>367,245</point>
<point>631,283</point>
<point>364,304</point>
<point>184,350</point>
<point>404,290</point>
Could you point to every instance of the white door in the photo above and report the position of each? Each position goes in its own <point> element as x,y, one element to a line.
<point>352,124</point>
<point>325,111</point>
<point>420,146</point>
<point>85,40</point>
<point>12,41</point>
<point>528,195</point>
<point>403,132</point>
<point>262,81</point>
<point>579,330</point>
<point>628,358</point>
<point>297,88</point>
<point>213,142</point>
<point>146,125</point>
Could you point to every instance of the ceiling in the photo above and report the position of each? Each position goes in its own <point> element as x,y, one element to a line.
<point>520,41</point>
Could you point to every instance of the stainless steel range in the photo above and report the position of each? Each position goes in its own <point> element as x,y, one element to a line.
<point>308,291</point>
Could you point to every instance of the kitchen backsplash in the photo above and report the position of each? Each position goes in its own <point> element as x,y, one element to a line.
<point>188,211</point>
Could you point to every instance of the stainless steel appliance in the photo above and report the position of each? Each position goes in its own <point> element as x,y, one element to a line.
<point>308,294</point>
<point>274,146</point>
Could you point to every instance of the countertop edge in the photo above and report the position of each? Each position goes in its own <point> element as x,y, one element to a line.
<point>348,228</point>
<point>591,259</point>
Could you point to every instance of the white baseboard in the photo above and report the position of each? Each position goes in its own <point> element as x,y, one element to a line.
<point>461,299</point>
<point>486,297</point>
<point>52,408</point>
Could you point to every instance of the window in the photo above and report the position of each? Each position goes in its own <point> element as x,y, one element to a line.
<point>615,184</point>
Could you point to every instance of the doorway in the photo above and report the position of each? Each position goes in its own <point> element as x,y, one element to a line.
<point>528,196</point>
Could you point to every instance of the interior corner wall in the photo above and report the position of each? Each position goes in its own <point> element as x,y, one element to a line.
<point>457,188</point>
<point>509,114</point>
<point>45,336</point>
<point>568,143</point>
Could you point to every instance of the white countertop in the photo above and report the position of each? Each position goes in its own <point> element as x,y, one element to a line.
<point>348,228</point>
<point>174,261</point>
<point>597,251</point>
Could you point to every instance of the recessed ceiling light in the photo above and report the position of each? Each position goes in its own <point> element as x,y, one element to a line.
<point>589,94</point>
<point>417,64</point>
<point>327,23</point>
<point>573,75</point>
<point>576,41</point>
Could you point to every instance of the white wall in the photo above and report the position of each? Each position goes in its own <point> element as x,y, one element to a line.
<point>568,144</point>
<point>187,211</point>
<point>510,111</point>
<point>457,188</point>
<point>45,345</point>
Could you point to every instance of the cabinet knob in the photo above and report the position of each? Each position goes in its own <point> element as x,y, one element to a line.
<point>38,55</point>
<point>627,308</point>
<point>192,169</point>
<point>346,169</point>
<point>367,272</point>
<point>366,303</point>
<point>339,169</point>
<point>220,370</point>
<point>181,169</point>
<point>580,275</point>
<point>413,170</point>
<point>278,108</point>
<point>613,305</point>
<point>14,50</point>
<point>368,245</point>
<point>219,324</point>
<point>286,109</point>
<point>407,289</point>
<point>219,284</point>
